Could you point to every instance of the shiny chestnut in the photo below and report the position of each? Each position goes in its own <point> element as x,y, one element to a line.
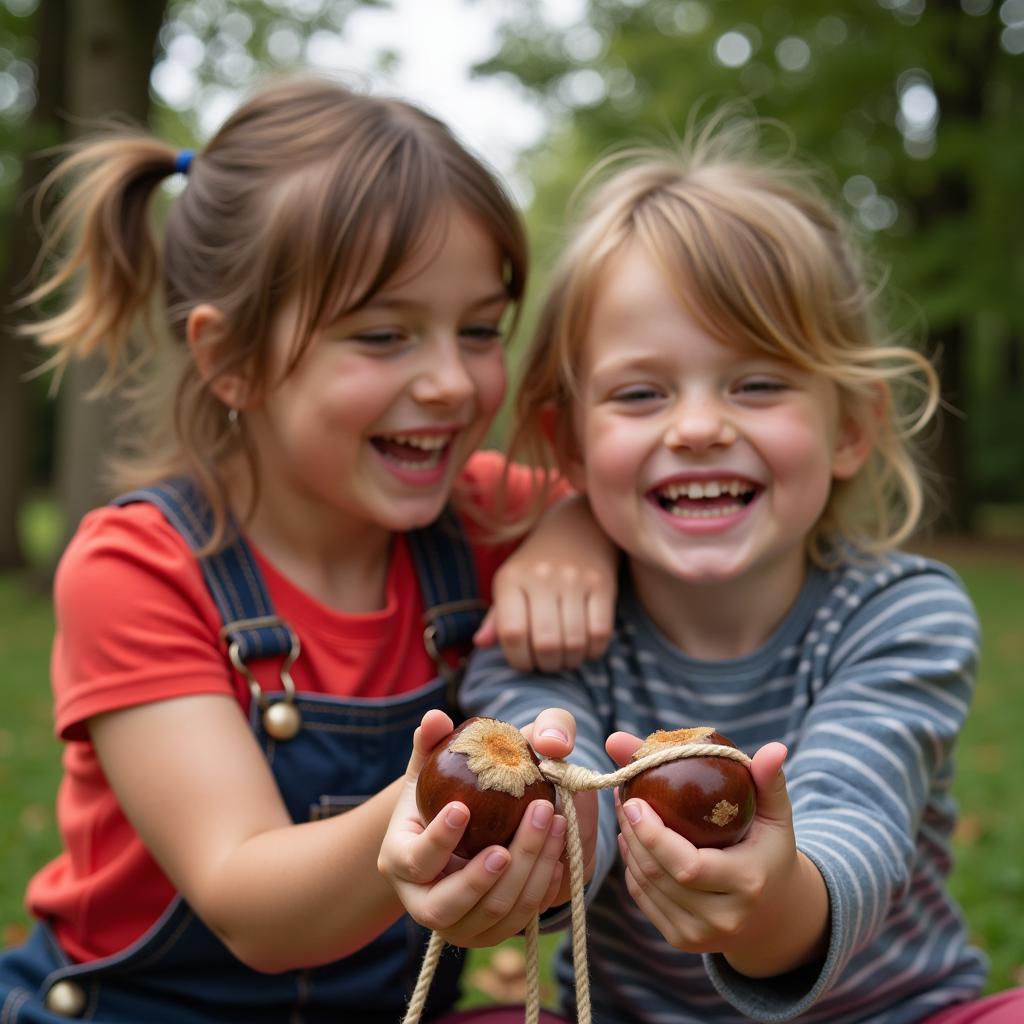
<point>709,800</point>
<point>487,765</point>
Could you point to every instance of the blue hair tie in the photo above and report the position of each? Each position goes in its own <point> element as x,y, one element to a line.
<point>183,161</point>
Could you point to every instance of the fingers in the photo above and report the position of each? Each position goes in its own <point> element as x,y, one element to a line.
<point>529,883</point>
<point>772,796</point>
<point>510,620</point>
<point>487,633</point>
<point>670,863</point>
<point>424,857</point>
<point>496,904</point>
<point>674,922</point>
<point>555,625</point>
<point>548,617</point>
<point>621,746</point>
<point>600,613</point>
<point>552,733</point>
<point>451,898</point>
<point>433,728</point>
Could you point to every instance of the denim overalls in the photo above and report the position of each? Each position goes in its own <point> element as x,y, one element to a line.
<point>343,752</point>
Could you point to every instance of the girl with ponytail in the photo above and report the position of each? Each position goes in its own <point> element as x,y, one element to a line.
<point>297,563</point>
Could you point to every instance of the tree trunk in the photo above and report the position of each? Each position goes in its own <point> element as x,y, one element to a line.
<point>950,460</point>
<point>953,199</point>
<point>42,130</point>
<point>111,45</point>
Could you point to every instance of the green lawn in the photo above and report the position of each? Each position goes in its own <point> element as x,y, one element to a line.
<point>989,878</point>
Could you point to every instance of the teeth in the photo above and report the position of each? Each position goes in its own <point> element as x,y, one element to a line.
<point>695,490</point>
<point>434,459</point>
<point>683,512</point>
<point>423,442</point>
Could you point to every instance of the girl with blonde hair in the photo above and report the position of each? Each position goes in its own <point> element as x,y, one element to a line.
<point>710,370</point>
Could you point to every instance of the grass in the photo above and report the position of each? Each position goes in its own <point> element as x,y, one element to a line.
<point>988,879</point>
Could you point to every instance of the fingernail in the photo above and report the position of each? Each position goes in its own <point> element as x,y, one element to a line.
<point>495,862</point>
<point>456,817</point>
<point>542,814</point>
<point>555,734</point>
<point>558,826</point>
<point>633,812</point>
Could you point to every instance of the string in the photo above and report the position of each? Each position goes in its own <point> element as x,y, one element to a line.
<point>568,779</point>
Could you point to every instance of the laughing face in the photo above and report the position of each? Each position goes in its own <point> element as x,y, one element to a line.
<point>371,428</point>
<point>706,463</point>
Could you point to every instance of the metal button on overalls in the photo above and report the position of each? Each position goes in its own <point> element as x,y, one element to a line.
<point>66,999</point>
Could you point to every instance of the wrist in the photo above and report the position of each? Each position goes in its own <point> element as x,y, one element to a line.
<point>802,901</point>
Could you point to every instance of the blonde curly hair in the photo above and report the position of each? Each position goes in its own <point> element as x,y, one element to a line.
<point>760,259</point>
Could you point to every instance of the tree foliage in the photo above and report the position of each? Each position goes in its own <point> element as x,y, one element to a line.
<point>67,66</point>
<point>915,107</point>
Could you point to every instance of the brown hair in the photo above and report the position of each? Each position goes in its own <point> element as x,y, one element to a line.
<point>758,257</point>
<point>281,204</point>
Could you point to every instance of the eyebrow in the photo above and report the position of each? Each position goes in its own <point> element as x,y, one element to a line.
<point>384,301</point>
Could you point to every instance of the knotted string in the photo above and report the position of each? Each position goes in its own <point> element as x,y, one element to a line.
<point>568,779</point>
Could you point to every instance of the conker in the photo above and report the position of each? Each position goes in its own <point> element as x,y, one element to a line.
<point>709,800</point>
<point>493,771</point>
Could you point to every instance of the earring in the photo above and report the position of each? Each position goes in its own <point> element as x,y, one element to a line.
<point>233,420</point>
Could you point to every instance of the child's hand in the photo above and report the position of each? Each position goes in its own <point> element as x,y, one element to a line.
<point>554,596</point>
<point>729,901</point>
<point>553,734</point>
<point>479,902</point>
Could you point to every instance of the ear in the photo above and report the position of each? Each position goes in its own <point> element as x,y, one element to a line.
<point>557,428</point>
<point>859,426</point>
<point>205,332</point>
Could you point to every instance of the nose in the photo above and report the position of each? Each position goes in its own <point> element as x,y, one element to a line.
<point>444,377</point>
<point>699,423</point>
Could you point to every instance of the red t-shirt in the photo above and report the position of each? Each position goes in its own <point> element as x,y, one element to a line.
<point>136,624</point>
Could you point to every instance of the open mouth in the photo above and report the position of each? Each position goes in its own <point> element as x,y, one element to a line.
<point>414,451</point>
<point>705,499</point>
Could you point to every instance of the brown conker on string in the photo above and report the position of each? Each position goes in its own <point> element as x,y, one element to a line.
<point>709,800</point>
<point>487,765</point>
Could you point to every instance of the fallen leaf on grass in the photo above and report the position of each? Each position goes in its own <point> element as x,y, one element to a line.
<point>968,830</point>
<point>34,818</point>
<point>504,978</point>
<point>14,933</point>
<point>989,758</point>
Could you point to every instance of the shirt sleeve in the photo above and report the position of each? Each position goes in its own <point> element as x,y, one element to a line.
<point>870,776</point>
<point>495,495</point>
<point>134,621</point>
<point>492,687</point>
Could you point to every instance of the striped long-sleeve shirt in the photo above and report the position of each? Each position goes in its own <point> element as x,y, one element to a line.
<point>867,680</point>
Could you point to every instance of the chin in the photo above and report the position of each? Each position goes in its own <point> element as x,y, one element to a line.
<point>694,570</point>
<point>413,519</point>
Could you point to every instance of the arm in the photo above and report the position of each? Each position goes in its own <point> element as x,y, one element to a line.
<point>870,812</point>
<point>194,784</point>
<point>138,669</point>
<point>554,596</point>
<point>869,786</point>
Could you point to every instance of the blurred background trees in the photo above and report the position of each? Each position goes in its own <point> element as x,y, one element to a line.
<point>917,109</point>
<point>914,107</point>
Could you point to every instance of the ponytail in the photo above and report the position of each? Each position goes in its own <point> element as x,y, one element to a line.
<point>104,249</point>
<point>279,207</point>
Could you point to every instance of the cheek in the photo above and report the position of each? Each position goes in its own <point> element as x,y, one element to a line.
<point>801,451</point>
<point>613,456</point>
<point>491,382</point>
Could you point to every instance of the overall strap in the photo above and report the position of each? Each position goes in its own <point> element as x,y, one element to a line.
<point>441,555</point>
<point>447,577</point>
<point>231,574</point>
